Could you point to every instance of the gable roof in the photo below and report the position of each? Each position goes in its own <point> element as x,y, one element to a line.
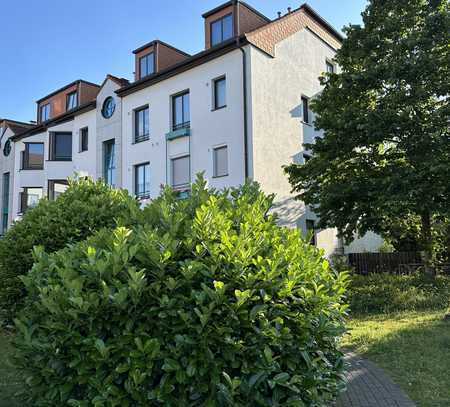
<point>16,126</point>
<point>66,87</point>
<point>119,81</point>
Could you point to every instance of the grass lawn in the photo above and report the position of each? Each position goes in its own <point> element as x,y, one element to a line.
<point>9,379</point>
<point>413,347</point>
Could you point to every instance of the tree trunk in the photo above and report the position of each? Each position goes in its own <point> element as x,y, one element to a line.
<point>427,244</point>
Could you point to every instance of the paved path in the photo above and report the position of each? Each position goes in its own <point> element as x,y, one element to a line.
<point>369,386</point>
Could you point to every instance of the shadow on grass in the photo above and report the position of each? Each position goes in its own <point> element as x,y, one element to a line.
<point>414,349</point>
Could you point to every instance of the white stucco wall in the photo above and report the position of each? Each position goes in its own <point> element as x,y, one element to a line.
<point>278,133</point>
<point>108,129</point>
<point>83,163</point>
<point>208,128</point>
<point>7,166</point>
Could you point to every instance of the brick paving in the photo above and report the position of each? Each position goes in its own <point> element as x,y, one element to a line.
<point>369,386</point>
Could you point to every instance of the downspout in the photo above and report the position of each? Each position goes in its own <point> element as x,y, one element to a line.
<point>244,92</point>
<point>244,85</point>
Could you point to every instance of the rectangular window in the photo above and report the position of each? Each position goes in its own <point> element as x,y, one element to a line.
<point>305,107</point>
<point>330,67</point>
<point>109,162</point>
<point>5,202</point>
<point>84,139</point>
<point>60,147</point>
<point>33,156</point>
<point>180,170</point>
<point>44,114</point>
<point>141,125</point>
<point>142,181</point>
<point>71,100</point>
<point>221,29</point>
<point>311,228</point>
<point>56,187</point>
<point>146,65</point>
<point>180,111</point>
<point>220,93</point>
<point>29,198</point>
<point>220,161</point>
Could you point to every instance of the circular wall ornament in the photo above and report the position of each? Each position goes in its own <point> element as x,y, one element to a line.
<point>109,105</point>
<point>7,148</point>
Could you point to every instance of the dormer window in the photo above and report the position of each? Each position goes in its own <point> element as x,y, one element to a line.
<point>44,112</point>
<point>71,100</point>
<point>146,65</point>
<point>222,29</point>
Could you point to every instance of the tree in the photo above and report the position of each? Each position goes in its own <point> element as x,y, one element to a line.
<point>385,154</point>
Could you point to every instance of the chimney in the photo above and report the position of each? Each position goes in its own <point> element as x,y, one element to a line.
<point>289,10</point>
<point>279,14</point>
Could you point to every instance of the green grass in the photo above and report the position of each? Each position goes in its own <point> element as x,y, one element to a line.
<point>413,347</point>
<point>10,381</point>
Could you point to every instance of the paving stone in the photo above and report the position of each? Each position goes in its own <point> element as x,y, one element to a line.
<point>370,386</point>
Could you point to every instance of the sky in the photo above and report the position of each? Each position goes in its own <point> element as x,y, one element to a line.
<point>47,44</point>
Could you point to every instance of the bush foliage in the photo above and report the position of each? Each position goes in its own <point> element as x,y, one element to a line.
<point>206,303</point>
<point>84,208</point>
<point>384,293</point>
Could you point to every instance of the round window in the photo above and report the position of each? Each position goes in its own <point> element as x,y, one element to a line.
<point>7,148</point>
<point>109,105</point>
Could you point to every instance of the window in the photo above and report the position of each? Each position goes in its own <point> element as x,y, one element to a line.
<point>33,156</point>
<point>44,112</point>
<point>84,139</point>
<point>141,125</point>
<point>330,67</point>
<point>181,172</point>
<point>180,111</point>
<point>109,162</point>
<point>29,198</point>
<point>221,29</point>
<point>305,106</point>
<point>142,181</point>
<point>71,100</point>
<point>146,65</point>
<point>220,93</point>
<point>220,161</point>
<point>56,188</point>
<point>5,202</point>
<point>311,228</point>
<point>60,146</point>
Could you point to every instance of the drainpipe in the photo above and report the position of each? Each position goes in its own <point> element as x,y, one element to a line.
<point>244,93</point>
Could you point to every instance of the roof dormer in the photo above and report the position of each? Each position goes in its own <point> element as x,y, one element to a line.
<point>230,20</point>
<point>154,57</point>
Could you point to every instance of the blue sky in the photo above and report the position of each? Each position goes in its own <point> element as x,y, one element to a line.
<point>48,43</point>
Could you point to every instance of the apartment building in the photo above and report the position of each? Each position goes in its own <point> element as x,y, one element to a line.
<point>238,109</point>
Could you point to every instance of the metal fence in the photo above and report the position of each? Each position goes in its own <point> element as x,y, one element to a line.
<point>396,263</point>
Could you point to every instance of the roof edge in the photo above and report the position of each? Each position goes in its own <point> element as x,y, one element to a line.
<point>62,117</point>
<point>149,44</point>
<point>197,59</point>
<point>234,2</point>
<point>66,87</point>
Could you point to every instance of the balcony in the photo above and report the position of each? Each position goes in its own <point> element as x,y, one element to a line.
<point>179,130</point>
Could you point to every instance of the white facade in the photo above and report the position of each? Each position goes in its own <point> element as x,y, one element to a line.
<point>209,128</point>
<point>275,134</point>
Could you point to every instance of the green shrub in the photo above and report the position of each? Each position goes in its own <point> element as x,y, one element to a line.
<point>384,293</point>
<point>84,208</point>
<point>207,303</point>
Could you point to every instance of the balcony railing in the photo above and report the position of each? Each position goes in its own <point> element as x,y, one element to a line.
<point>179,126</point>
<point>138,138</point>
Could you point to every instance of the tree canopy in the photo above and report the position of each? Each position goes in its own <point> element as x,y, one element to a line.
<point>385,153</point>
